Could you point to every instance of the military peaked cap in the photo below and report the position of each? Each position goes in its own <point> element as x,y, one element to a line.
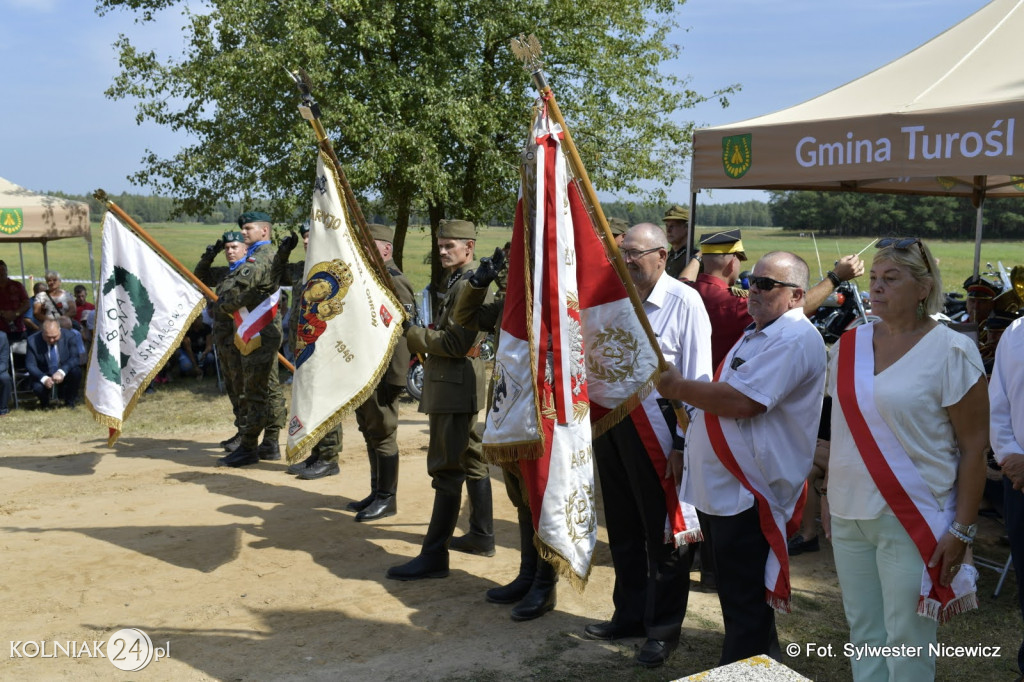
<point>726,241</point>
<point>618,226</point>
<point>677,212</point>
<point>381,232</point>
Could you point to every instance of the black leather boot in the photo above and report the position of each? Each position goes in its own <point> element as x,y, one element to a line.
<point>432,561</point>
<point>243,456</point>
<point>270,449</point>
<point>360,505</point>
<point>517,589</point>
<point>232,443</point>
<point>385,503</point>
<point>480,538</point>
<point>299,467</point>
<point>541,597</point>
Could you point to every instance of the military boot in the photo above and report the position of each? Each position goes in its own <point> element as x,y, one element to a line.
<point>299,467</point>
<point>480,538</point>
<point>432,561</point>
<point>385,503</point>
<point>541,597</point>
<point>244,455</point>
<point>270,450</point>
<point>521,584</point>
<point>360,505</point>
<point>231,444</point>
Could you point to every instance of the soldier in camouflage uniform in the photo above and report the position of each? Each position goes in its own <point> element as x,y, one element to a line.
<point>262,404</point>
<point>228,357</point>
<point>453,393</point>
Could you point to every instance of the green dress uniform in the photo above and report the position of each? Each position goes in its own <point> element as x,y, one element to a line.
<point>453,393</point>
<point>262,404</point>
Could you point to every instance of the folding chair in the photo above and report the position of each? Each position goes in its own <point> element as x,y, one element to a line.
<point>1002,569</point>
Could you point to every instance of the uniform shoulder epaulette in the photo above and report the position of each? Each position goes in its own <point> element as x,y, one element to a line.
<point>739,291</point>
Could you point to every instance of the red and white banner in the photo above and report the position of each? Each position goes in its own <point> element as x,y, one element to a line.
<point>897,479</point>
<point>249,323</point>
<point>573,357</point>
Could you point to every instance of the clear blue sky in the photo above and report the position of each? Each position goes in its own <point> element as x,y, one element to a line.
<point>59,132</point>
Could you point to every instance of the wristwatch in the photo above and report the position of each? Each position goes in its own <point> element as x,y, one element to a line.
<point>963,533</point>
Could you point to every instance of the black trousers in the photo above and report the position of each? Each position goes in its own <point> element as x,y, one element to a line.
<point>1013,514</point>
<point>741,552</point>
<point>652,577</point>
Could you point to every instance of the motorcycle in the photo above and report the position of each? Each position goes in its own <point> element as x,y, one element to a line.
<point>843,309</point>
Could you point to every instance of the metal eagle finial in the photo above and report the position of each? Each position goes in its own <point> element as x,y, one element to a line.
<point>527,50</point>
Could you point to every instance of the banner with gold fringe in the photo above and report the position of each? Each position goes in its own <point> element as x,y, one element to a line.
<point>348,322</point>
<point>571,347</point>
<point>143,309</point>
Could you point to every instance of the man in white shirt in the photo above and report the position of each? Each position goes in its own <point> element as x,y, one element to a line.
<point>651,573</point>
<point>751,447</point>
<point>1006,435</point>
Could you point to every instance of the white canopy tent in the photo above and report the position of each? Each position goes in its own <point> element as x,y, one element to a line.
<point>941,120</point>
<point>26,216</point>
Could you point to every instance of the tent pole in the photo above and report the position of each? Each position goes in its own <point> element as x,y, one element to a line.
<point>978,199</point>
<point>46,260</point>
<point>691,224</point>
<point>21,257</point>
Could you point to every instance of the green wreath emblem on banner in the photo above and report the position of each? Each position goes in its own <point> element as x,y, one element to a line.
<point>140,302</point>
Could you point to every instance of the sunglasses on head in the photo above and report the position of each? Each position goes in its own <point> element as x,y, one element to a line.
<point>903,243</point>
<point>767,283</point>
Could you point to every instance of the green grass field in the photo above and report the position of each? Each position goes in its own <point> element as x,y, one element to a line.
<point>187,242</point>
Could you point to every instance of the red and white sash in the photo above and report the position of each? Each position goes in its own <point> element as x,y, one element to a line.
<point>777,522</point>
<point>249,323</point>
<point>898,479</point>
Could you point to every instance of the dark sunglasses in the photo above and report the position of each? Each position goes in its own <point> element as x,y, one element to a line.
<point>903,243</point>
<point>767,283</point>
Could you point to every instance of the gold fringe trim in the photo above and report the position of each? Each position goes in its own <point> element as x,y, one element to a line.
<point>246,348</point>
<point>562,565</point>
<point>503,453</point>
<point>623,409</point>
<point>113,422</point>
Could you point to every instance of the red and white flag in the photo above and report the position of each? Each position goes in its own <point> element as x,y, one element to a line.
<point>573,357</point>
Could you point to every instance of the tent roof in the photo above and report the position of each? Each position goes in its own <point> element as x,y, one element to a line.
<point>926,123</point>
<point>26,216</point>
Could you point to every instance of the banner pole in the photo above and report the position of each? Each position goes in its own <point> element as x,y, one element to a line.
<point>101,196</point>
<point>528,50</point>
<point>310,110</point>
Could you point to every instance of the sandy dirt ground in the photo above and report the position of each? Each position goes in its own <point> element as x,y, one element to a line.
<point>252,574</point>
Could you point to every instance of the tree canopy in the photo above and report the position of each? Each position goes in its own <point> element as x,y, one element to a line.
<point>424,103</point>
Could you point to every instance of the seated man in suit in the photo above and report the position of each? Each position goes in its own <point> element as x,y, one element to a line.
<point>53,360</point>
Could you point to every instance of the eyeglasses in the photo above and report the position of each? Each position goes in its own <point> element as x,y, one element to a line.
<point>905,243</point>
<point>767,283</point>
<point>634,254</point>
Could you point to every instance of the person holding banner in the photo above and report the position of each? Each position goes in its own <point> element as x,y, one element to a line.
<point>750,448</point>
<point>232,243</point>
<point>378,416</point>
<point>453,393</point>
<point>907,464</point>
<point>252,299</point>
<point>639,459</point>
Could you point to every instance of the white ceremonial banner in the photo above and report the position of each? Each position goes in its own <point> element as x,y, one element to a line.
<point>143,309</point>
<point>348,323</point>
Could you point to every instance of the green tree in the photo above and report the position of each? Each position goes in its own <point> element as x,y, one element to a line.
<point>424,103</point>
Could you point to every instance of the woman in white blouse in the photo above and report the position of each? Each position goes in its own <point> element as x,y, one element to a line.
<point>907,466</point>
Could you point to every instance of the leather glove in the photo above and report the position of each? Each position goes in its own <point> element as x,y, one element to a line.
<point>213,249</point>
<point>406,324</point>
<point>289,243</point>
<point>488,270</point>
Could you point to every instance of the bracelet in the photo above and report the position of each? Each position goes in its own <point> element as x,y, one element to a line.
<point>699,258</point>
<point>960,536</point>
<point>823,492</point>
<point>834,277</point>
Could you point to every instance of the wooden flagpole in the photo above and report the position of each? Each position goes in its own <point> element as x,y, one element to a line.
<point>101,196</point>
<point>310,111</point>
